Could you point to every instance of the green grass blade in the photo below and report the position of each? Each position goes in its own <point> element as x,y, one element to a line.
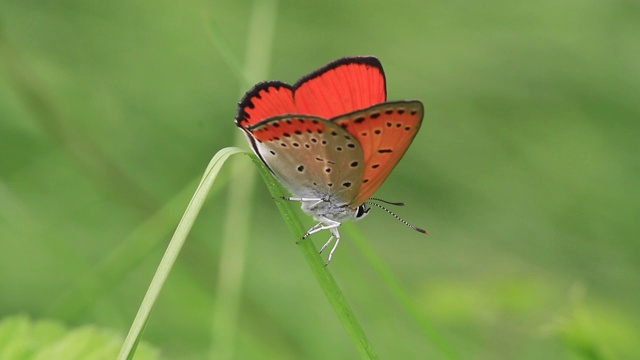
<point>326,281</point>
<point>401,295</point>
<point>135,332</point>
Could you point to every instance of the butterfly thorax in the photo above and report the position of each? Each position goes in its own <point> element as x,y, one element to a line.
<point>323,210</point>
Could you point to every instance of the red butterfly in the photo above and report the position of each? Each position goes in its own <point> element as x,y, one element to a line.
<point>331,138</point>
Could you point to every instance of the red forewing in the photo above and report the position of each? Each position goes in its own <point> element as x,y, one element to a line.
<point>384,131</point>
<point>343,86</point>
<point>265,100</point>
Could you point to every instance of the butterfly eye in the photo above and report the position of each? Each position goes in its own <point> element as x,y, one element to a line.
<point>362,211</point>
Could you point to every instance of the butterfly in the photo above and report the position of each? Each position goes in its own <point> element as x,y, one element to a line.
<point>331,138</point>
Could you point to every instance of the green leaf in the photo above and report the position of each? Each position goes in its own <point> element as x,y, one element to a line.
<point>25,339</point>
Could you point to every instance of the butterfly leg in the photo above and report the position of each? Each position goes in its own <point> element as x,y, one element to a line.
<point>326,244</point>
<point>336,234</point>
<point>317,201</point>
<point>291,198</point>
<point>326,225</point>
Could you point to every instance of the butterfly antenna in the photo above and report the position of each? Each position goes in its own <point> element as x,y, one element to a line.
<point>388,202</point>
<point>396,216</point>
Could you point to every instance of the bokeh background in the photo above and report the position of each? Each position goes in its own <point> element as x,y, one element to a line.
<point>526,173</point>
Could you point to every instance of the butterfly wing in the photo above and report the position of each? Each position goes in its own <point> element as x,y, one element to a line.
<point>384,131</point>
<point>311,156</point>
<point>265,100</point>
<point>345,85</point>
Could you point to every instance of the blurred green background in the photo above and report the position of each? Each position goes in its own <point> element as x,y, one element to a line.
<point>526,173</point>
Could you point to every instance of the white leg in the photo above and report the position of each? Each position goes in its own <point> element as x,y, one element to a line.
<point>326,244</point>
<point>317,201</point>
<point>335,246</point>
<point>321,226</point>
<point>301,199</point>
<point>317,227</point>
<point>327,224</point>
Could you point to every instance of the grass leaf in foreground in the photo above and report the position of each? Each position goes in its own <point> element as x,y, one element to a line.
<point>170,255</point>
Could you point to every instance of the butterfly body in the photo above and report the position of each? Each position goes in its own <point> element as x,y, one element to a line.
<point>331,139</point>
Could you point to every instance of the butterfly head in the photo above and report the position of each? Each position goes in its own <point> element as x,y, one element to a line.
<point>362,211</point>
